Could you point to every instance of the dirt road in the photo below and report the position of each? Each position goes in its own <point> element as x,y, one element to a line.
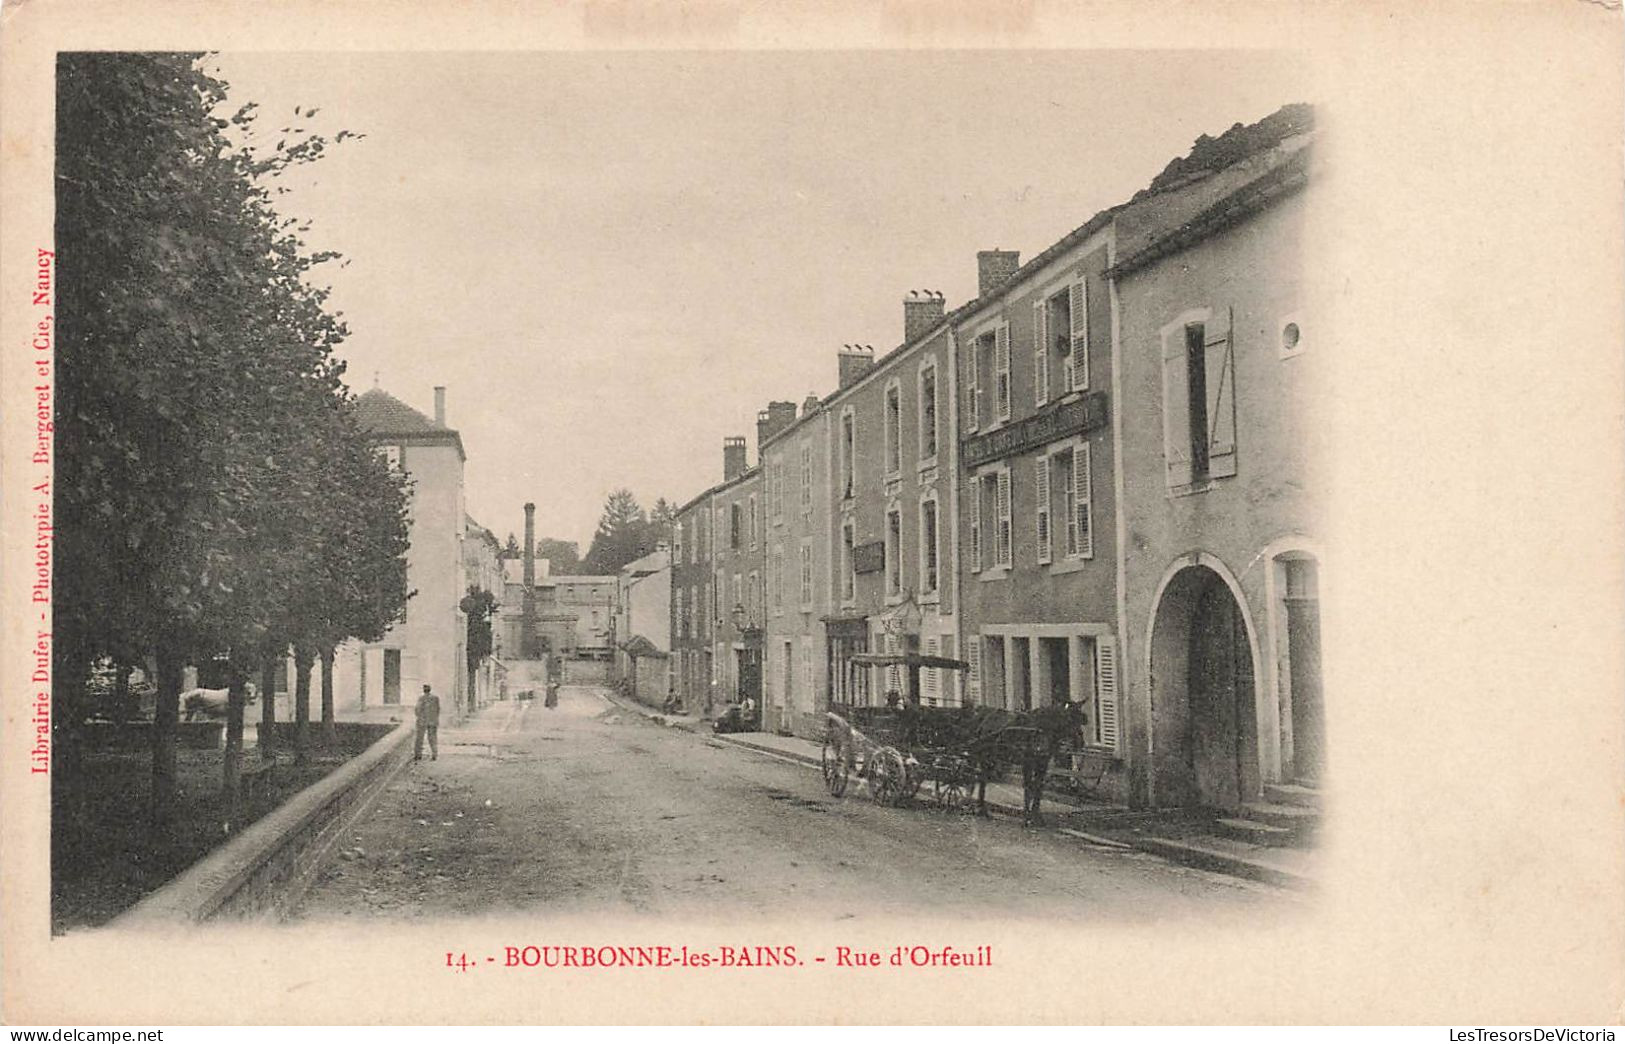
<point>588,808</point>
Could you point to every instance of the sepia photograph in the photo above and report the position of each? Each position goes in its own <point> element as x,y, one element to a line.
<point>518,513</point>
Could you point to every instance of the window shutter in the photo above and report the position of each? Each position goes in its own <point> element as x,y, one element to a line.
<point>1106,691</point>
<point>1041,514</point>
<point>973,404</point>
<point>928,675</point>
<point>1083,501</point>
<point>1078,305</point>
<point>977,497</point>
<point>973,677</point>
<point>1219,357</point>
<point>1001,369</point>
<point>1040,354</point>
<point>1176,419</point>
<point>1002,503</point>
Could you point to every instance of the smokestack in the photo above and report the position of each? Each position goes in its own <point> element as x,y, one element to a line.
<point>922,309</point>
<point>530,545</point>
<point>855,361</point>
<point>994,269</point>
<point>440,405</point>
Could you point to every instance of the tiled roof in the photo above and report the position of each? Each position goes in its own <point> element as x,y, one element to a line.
<point>382,414</point>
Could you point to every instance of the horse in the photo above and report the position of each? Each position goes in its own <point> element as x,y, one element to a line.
<point>999,740</point>
<point>211,703</point>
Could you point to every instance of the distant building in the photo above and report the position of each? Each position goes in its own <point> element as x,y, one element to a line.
<point>643,625</point>
<point>796,557</point>
<point>575,615</point>
<point>427,646</point>
<point>482,571</point>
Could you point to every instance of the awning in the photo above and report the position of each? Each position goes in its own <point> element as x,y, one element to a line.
<point>866,659</point>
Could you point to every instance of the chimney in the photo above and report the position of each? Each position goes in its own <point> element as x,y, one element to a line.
<point>922,309</point>
<point>994,269</point>
<point>440,405</point>
<point>855,361</point>
<point>733,457</point>
<point>530,545</point>
<point>810,404</point>
<point>771,421</point>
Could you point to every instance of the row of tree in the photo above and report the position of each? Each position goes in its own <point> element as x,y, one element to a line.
<point>217,503</point>
<point>626,533</point>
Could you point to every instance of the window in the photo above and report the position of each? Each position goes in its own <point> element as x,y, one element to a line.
<point>999,489</point>
<point>849,573</point>
<point>928,410</point>
<point>1074,335</point>
<point>807,665</point>
<point>806,576</point>
<point>392,456</point>
<point>806,477</point>
<point>929,552</point>
<point>973,380</point>
<point>1041,347</point>
<point>677,540</point>
<point>1001,372</point>
<point>894,551</point>
<point>894,427</point>
<point>1041,509</point>
<point>736,526</point>
<point>753,608</point>
<point>778,579</point>
<point>973,676</point>
<point>719,596</point>
<point>750,523</point>
<point>978,498</point>
<point>849,437</point>
<point>1198,401</point>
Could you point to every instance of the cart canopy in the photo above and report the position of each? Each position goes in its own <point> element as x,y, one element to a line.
<point>867,659</point>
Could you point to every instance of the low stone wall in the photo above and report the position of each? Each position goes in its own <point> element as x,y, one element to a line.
<point>265,870</point>
<point>353,736</point>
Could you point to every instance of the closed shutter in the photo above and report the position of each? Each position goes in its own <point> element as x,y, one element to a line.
<point>1083,501</point>
<point>1041,513</point>
<point>1040,354</point>
<point>894,673</point>
<point>1002,507</point>
<point>928,675</point>
<point>973,677</point>
<point>1176,417</point>
<point>1219,357</point>
<point>1106,691</point>
<point>950,680</point>
<point>807,670</point>
<point>1001,370</point>
<point>1078,305</point>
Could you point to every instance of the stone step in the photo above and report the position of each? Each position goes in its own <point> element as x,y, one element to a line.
<point>1254,831</point>
<point>1293,817</point>
<point>1292,794</point>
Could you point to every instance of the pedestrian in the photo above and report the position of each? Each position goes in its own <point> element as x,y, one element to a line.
<point>428,714</point>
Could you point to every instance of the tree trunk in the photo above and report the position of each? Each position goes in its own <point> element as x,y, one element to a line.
<point>71,665</point>
<point>236,699</point>
<point>330,728</point>
<point>303,658</point>
<point>267,730</point>
<point>473,690</point>
<point>165,720</point>
<point>123,711</point>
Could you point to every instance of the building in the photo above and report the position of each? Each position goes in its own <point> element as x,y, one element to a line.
<point>892,460</point>
<point>642,626</point>
<point>1219,449</point>
<point>575,615</point>
<point>427,645</point>
<point>1037,543</point>
<point>691,618</point>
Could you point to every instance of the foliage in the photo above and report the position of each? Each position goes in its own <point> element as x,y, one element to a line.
<point>624,534</point>
<point>479,606</point>
<point>563,556</point>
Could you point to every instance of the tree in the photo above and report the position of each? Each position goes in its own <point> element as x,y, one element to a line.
<point>621,536</point>
<point>512,548</point>
<point>563,556</point>
<point>479,606</point>
<point>664,513</point>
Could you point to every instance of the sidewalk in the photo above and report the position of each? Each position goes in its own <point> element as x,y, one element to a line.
<point>1179,836</point>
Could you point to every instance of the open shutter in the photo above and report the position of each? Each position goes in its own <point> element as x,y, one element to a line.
<point>928,675</point>
<point>1001,370</point>
<point>1083,501</point>
<point>1219,357</point>
<point>1078,305</point>
<point>1176,415</point>
<point>1106,691</point>
<point>973,677</point>
<point>1041,513</point>
<point>1040,354</point>
<point>1002,504</point>
<point>973,392</point>
<point>976,526</point>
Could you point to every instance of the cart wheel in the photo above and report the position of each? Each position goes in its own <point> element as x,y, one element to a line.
<point>834,763</point>
<point>950,794</point>
<point>888,777</point>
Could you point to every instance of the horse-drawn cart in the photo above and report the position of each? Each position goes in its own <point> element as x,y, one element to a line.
<point>897,749</point>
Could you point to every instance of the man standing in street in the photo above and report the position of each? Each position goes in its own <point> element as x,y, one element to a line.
<point>428,711</point>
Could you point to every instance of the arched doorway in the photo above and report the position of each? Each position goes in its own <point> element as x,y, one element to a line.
<point>1203,694</point>
<point>1297,583</point>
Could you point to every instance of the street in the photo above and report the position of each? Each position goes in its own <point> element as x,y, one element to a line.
<point>588,808</point>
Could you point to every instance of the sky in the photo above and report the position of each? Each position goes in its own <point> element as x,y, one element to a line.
<point>613,260</point>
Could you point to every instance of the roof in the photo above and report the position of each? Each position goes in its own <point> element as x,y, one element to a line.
<point>595,579</point>
<point>653,562</point>
<point>638,645</point>
<point>381,414</point>
<point>480,531</point>
<point>749,473</point>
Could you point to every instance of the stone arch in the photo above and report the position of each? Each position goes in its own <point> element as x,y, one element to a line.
<point>1202,661</point>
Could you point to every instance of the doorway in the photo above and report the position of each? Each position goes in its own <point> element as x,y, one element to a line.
<point>392,676</point>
